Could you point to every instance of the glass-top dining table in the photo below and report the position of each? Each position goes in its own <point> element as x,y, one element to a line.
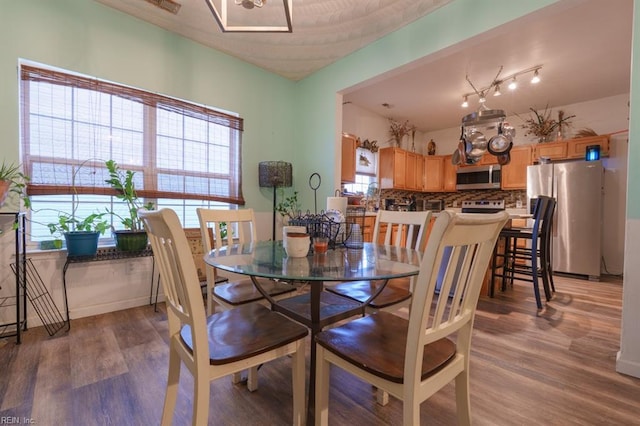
<point>316,308</point>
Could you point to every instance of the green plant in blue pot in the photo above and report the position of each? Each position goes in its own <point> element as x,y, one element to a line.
<point>81,235</point>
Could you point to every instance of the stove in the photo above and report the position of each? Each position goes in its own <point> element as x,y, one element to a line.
<point>482,206</point>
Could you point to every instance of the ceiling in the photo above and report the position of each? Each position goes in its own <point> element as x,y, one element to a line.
<point>584,47</point>
<point>323,30</point>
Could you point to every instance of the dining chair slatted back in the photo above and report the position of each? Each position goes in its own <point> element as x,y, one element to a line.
<point>401,225</point>
<point>218,345</point>
<point>412,359</point>
<point>228,227</point>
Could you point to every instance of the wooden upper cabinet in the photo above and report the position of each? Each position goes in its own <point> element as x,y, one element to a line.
<point>449,171</point>
<point>551,150</point>
<point>514,174</point>
<point>349,145</point>
<point>392,165</point>
<point>434,173</point>
<point>570,148</point>
<point>488,159</point>
<point>577,148</point>
<point>414,171</point>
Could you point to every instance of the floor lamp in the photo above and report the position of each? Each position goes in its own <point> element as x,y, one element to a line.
<point>274,174</point>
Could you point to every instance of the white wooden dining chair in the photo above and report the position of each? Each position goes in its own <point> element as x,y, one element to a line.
<point>220,344</point>
<point>239,228</point>
<point>226,227</point>
<point>402,229</point>
<point>413,359</point>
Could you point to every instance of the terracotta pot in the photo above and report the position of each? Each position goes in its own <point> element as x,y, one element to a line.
<point>5,185</point>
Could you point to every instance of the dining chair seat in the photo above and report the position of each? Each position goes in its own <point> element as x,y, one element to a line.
<point>245,332</point>
<point>333,308</point>
<point>243,291</point>
<point>396,291</point>
<point>377,344</point>
<point>222,344</point>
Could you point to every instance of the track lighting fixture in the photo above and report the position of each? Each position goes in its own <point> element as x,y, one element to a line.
<point>536,78</point>
<point>497,82</point>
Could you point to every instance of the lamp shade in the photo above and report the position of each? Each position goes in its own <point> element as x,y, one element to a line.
<point>275,173</point>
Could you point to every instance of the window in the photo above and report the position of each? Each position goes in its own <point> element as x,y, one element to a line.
<point>184,155</point>
<point>361,185</point>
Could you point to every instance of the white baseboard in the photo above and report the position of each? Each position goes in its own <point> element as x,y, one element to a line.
<point>630,368</point>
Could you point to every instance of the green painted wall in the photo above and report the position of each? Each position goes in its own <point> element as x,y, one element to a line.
<point>87,37</point>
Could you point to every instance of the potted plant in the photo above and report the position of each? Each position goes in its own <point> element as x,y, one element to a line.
<point>288,207</point>
<point>12,180</point>
<point>133,237</point>
<point>81,235</point>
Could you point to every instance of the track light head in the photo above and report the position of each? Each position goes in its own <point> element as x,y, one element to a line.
<point>536,78</point>
<point>513,85</point>
<point>497,91</point>
<point>465,102</point>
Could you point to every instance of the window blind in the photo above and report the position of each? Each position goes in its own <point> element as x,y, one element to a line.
<point>72,124</point>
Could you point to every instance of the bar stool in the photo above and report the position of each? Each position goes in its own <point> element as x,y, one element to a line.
<point>529,262</point>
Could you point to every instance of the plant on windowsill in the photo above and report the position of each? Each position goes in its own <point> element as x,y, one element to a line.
<point>133,237</point>
<point>12,180</point>
<point>81,235</point>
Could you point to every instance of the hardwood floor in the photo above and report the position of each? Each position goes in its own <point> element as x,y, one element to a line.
<point>555,367</point>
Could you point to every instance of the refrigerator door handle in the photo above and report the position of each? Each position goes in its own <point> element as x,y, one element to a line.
<point>554,186</point>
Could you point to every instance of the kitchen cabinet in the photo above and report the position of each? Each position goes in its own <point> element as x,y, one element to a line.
<point>551,150</point>
<point>570,148</point>
<point>393,163</point>
<point>576,148</point>
<point>488,159</point>
<point>449,174</point>
<point>367,231</point>
<point>414,171</point>
<point>514,174</point>
<point>394,232</point>
<point>349,145</point>
<point>434,173</point>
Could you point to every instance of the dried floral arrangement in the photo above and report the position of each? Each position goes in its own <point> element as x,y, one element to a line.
<point>543,126</point>
<point>398,130</point>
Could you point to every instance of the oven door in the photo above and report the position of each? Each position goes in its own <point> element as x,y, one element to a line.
<point>478,177</point>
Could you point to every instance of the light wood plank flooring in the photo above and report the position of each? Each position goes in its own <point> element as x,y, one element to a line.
<point>555,367</point>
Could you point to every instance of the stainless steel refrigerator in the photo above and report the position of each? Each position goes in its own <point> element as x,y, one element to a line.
<point>577,225</point>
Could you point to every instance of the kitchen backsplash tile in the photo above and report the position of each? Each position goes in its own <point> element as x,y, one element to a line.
<point>454,199</point>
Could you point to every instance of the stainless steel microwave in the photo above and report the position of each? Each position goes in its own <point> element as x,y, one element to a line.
<point>478,177</point>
